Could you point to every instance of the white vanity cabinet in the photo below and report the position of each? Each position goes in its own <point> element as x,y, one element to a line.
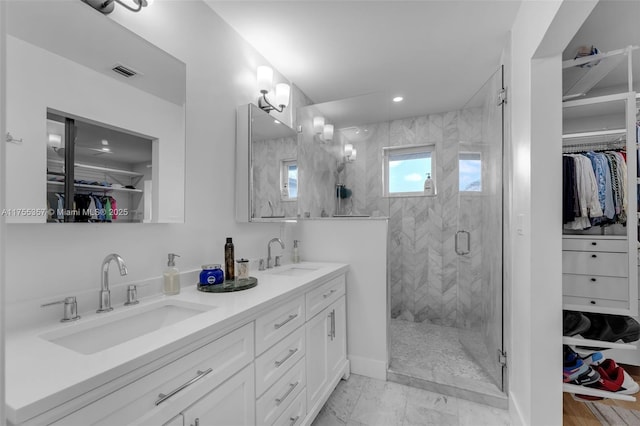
<point>274,363</point>
<point>326,341</point>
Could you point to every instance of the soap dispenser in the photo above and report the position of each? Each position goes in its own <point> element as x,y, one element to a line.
<point>171,276</point>
<point>429,186</point>
<point>296,255</point>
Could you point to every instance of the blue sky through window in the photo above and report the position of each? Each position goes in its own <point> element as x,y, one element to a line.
<point>408,172</point>
<point>470,172</point>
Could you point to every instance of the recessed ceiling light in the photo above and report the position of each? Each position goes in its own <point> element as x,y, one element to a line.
<point>276,121</point>
<point>105,149</point>
<point>105,142</point>
<point>398,99</point>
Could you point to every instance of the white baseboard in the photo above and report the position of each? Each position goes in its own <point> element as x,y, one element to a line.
<point>368,367</point>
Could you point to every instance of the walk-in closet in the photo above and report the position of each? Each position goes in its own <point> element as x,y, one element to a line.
<point>601,71</point>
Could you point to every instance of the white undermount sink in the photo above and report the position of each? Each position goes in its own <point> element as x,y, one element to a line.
<point>119,327</point>
<point>293,270</point>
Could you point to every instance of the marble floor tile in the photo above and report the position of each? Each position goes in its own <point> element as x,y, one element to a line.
<point>473,414</point>
<point>361,401</point>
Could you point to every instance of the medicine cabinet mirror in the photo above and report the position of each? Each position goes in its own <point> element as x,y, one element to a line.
<point>266,167</point>
<point>77,78</point>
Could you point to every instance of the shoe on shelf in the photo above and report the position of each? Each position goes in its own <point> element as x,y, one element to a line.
<point>623,328</point>
<point>574,322</point>
<point>600,328</point>
<point>613,370</point>
<point>593,358</point>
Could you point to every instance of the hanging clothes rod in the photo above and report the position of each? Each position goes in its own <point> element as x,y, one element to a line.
<point>593,146</point>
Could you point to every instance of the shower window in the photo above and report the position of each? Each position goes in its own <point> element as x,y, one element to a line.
<point>470,172</point>
<point>289,179</point>
<point>406,168</point>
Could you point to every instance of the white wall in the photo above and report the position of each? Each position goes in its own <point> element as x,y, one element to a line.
<point>3,24</point>
<point>220,76</point>
<point>363,245</point>
<point>533,261</point>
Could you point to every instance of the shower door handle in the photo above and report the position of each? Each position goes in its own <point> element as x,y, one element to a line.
<point>463,242</point>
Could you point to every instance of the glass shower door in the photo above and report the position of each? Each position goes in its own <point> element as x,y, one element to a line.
<point>478,238</point>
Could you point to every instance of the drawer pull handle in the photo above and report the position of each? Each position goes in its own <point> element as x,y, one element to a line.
<point>292,386</point>
<point>594,255</point>
<point>329,293</point>
<point>162,397</point>
<point>593,243</point>
<point>593,280</point>
<point>293,420</point>
<point>289,355</point>
<point>593,302</point>
<point>290,318</point>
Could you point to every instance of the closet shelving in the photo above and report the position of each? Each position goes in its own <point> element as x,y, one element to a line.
<point>589,285</point>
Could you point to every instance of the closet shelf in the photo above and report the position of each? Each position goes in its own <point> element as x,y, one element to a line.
<point>583,390</point>
<point>95,187</point>
<point>101,169</point>
<point>578,341</point>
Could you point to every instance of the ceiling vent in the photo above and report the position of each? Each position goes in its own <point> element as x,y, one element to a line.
<point>124,71</point>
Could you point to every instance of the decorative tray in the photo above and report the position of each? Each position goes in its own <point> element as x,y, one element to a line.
<point>229,285</point>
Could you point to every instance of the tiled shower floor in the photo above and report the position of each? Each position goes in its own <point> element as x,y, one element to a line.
<point>431,357</point>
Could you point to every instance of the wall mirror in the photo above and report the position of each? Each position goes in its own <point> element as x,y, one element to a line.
<point>76,78</point>
<point>266,167</point>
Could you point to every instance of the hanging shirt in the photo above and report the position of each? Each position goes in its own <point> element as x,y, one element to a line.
<point>107,208</point>
<point>114,208</point>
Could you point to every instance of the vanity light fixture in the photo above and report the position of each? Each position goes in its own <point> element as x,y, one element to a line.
<point>280,95</point>
<point>55,141</point>
<point>349,153</point>
<point>323,131</point>
<point>107,6</point>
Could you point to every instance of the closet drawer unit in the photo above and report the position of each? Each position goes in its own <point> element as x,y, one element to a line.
<point>594,302</point>
<point>160,394</point>
<point>595,263</point>
<point>277,323</point>
<point>323,296</point>
<point>595,286</point>
<point>595,244</point>
<point>272,364</point>
<point>295,413</point>
<point>279,396</point>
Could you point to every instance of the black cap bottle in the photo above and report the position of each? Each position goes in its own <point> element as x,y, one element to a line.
<point>229,260</point>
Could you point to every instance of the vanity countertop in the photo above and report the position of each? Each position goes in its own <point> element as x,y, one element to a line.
<point>41,375</point>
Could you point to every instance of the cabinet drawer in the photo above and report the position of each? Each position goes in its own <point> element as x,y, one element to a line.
<point>139,402</point>
<point>274,325</point>
<point>600,287</point>
<point>276,400</point>
<point>595,244</point>
<point>295,413</point>
<point>272,364</point>
<point>323,296</point>
<point>595,263</point>
<point>593,302</point>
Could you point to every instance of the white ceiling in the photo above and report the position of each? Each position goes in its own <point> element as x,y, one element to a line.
<point>436,54</point>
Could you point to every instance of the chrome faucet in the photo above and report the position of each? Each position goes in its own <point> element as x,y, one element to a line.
<point>105,293</point>
<point>269,250</point>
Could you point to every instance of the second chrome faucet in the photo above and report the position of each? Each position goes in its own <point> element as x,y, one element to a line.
<point>273,240</point>
<point>105,293</point>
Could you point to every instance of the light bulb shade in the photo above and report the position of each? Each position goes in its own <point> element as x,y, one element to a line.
<point>318,124</point>
<point>264,77</point>
<point>55,141</point>
<point>282,94</point>
<point>348,149</point>
<point>353,155</point>
<point>327,132</point>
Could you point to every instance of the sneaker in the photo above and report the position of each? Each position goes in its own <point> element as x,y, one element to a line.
<point>574,323</point>
<point>628,386</point>
<point>623,328</point>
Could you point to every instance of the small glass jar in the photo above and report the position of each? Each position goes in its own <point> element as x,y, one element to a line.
<point>211,274</point>
<point>243,269</point>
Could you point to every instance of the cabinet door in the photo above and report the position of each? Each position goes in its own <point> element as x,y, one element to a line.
<point>337,344</point>
<point>317,344</point>
<point>232,403</point>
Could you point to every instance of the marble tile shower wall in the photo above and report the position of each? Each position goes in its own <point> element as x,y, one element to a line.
<point>428,280</point>
<point>266,175</point>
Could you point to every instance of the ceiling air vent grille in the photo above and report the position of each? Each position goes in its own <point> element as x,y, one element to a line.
<point>124,71</point>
